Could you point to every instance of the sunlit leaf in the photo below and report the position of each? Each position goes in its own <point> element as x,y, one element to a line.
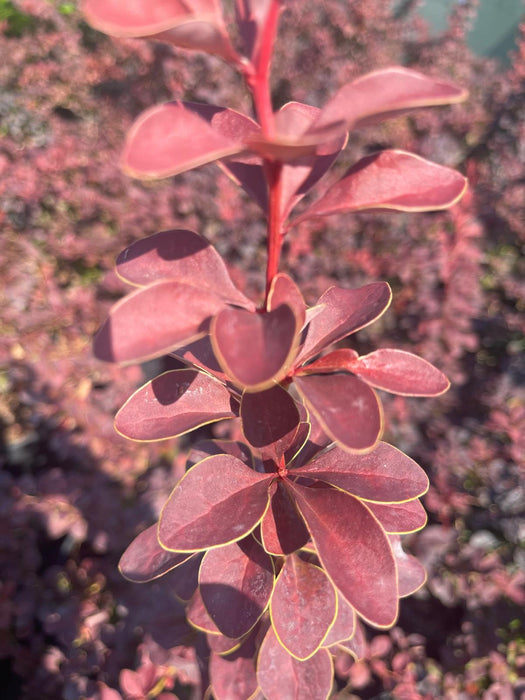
<point>284,290</point>
<point>385,475</point>
<point>353,549</point>
<point>144,559</point>
<point>411,573</point>
<point>218,501</point>
<point>281,676</point>
<point>233,677</point>
<point>207,448</point>
<point>347,408</point>
<point>303,606</point>
<point>251,16</point>
<point>343,627</point>
<point>236,582</point>
<point>400,518</point>
<point>282,528</point>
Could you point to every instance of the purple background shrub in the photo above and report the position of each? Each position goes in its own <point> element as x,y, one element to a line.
<point>74,494</point>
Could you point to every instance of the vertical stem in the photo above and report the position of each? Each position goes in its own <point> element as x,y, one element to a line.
<point>273,172</point>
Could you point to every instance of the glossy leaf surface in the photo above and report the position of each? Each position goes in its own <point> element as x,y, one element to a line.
<point>145,560</point>
<point>236,582</point>
<point>172,404</point>
<point>347,408</point>
<point>281,676</point>
<point>145,324</point>
<point>354,551</point>
<point>282,528</point>
<point>255,349</point>
<point>303,606</point>
<point>216,502</point>
<point>385,475</point>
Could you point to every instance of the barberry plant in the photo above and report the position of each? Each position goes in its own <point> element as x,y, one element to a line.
<point>280,543</point>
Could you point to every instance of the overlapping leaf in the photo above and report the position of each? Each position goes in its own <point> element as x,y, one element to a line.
<point>344,625</point>
<point>400,518</point>
<point>145,560</point>
<point>233,677</point>
<point>411,573</point>
<point>282,528</point>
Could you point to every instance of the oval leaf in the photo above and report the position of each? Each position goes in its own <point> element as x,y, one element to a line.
<point>145,560</point>
<point>218,501</point>
<point>400,518</point>
<point>344,623</point>
<point>173,404</point>
<point>411,573</point>
<point>233,677</point>
<point>282,528</point>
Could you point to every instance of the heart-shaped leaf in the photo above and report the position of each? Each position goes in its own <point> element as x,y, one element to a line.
<point>145,324</point>
<point>218,501</point>
<point>385,475</point>
<point>145,560</point>
<point>255,349</point>
<point>282,528</point>
<point>236,582</point>
<point>303,607</point>
<point>347,408</point>
<point>353,549</point>
<point>172,404</point>
<point>400,518</point>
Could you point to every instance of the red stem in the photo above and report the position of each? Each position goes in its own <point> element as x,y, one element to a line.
<point>275,238</point>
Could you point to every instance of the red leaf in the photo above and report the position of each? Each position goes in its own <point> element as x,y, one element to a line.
<point>207,448</point>
<point>131,683</point>
<point>282,528</point>
<point>385,475</point>
<point>400,372</point>
<point>199,617</point>
<point>390,180</point>
<point>145,324</point>
<point>251,16</point>
<point>347,408</point>
<point>199,353</point>
<point>283,290</point>
<point>182,255</point>
<point>281,676</point>
<point>344,623</point>
<point>255,349</point>
<point>357,646</point>
<point>400,518</point>
<point>270,421</point>
<point>303,606</point>
<point>233,677</point>
<point>183,580</point>
<point>158,146</point>
<point>353,549</point>
<point>195,24</point>
<point>218,501</point>
<point>344,311</point>
<point>221,644</point>
<point>385,93</point>
<point>173,404</point>
<point>411,573</point>
<point>145,560</point>
<point>236,582</point>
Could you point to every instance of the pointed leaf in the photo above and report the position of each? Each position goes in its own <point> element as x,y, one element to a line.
<point>158,146</point>
<point>401,373</point>
<point>353,549</point>
<point>344,311</point>
<point>383,94</point>
<point>255,349</point>
<point>236,582</point>
<point>303,606</point>
<point>216,502</point>
<point>145,560</point>
<point>344,623</point>
<point>270,421</point>
<point>390,180</point>
<point>347,408</point>
<point>281,676</point>
<point>194,25</point>
<point>145,324</point>
<point>182,255</point>
<point>411,573</point>
<point>400,518</point>
<point>385,475</point>
<point>282,528</point>
<point>233,677</point>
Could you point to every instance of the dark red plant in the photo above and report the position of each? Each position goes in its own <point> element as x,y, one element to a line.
<point>279,542</point>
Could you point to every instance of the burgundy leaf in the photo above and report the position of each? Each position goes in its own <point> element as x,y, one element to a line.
<point>182,255</point>
<point>400,372</point>
<point>283,290</point>
<point>216,502</point>
<point>289,149</point>
<point>303,607</point>
<point>385,475</point>
<point>145,560</point>
<point>270,421</point>
<point>353,549</point>
<point>199,353</point>
<point>344,311</point>
<point>233,677</point>
<point>221,644</point>
<point>411,573</point>
<point>281,676</point>
<point>347,408</point>
<point>400,518</point>
<point>282,528</point>
<point>236,582</point>
<point>344,623</point>
<point>189,24</point>
<point>390,180</point>
<point>198,616</point>
<point>173,404</point>
<point>385,93</point>
<point>357,645</point>
<point>251,16</point>
<point>207,448</point>
<point>158,144</point>
<point>335,361</point>
<point>183,580</point>
<point>255,349</point>
<point>145,324</point>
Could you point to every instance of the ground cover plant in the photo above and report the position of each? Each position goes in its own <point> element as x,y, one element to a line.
<point>69,500</point>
